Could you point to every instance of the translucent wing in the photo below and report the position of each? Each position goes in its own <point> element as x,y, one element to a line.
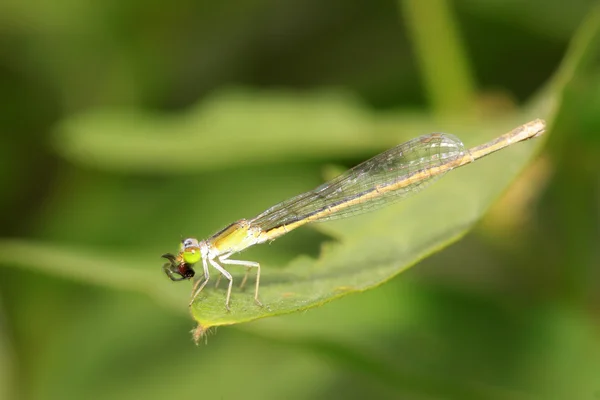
<point>370,185</point>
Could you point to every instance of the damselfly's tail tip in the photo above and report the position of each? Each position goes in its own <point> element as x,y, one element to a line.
<point>538,127</point>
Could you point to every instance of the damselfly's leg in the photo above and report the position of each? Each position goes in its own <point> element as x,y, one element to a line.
<point>245,278</point>
<point>249,264</point>
<point>222,257</point>
<point>227,275</point>
<point>199,284</point>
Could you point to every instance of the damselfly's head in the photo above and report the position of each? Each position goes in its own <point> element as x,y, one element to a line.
<point>190,251</point>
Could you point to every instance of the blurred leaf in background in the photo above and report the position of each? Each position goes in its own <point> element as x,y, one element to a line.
<point>128,125</point>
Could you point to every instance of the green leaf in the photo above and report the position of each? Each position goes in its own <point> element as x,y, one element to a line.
<point>241,127</point>
<point>275,126</point>
<point>130,274</point>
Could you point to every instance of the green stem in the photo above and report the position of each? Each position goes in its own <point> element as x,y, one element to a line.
<point>441,53</point>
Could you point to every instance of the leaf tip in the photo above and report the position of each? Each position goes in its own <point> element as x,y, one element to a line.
<point>198,333</point>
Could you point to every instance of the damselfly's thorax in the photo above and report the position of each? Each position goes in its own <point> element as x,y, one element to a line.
<point>233,238</point>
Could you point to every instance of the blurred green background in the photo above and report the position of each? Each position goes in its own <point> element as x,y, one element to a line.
<point>127,125</point>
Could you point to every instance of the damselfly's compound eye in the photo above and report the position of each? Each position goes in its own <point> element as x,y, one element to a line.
<point>189,243</point>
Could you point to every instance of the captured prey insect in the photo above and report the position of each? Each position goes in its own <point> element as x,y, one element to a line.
<point>388,177</point>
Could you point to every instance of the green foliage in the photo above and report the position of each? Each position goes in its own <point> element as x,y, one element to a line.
<point>133,125</point>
